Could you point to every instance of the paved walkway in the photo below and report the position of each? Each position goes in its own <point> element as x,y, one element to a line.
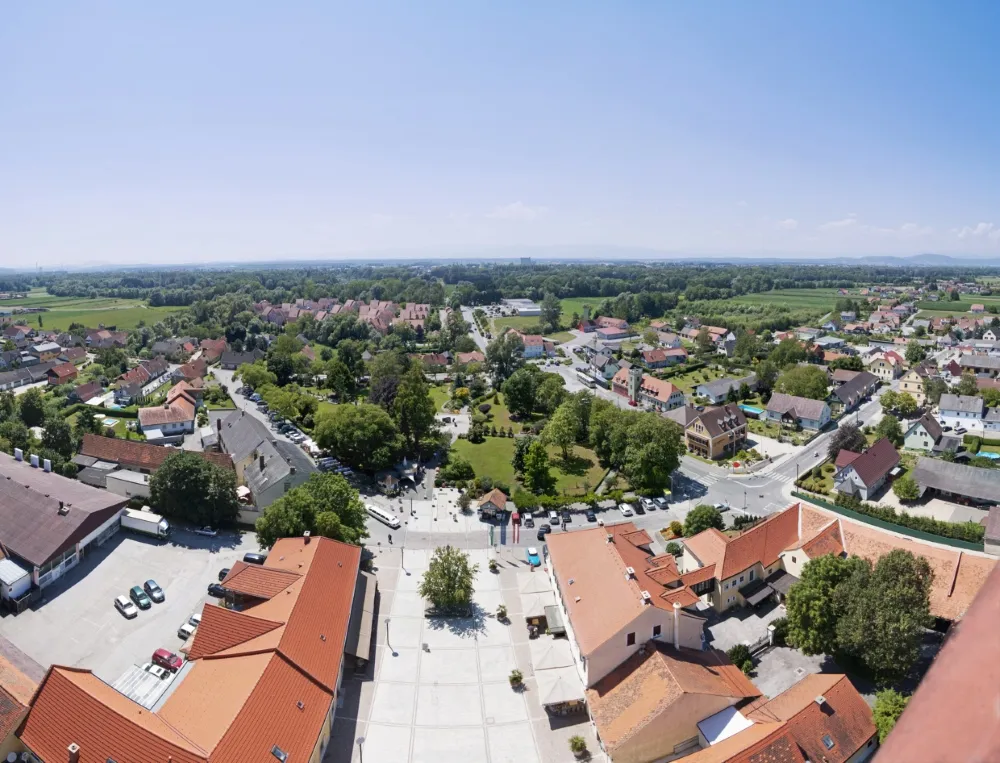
<point>439,690</point>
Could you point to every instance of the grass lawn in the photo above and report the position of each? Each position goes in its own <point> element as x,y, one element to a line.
<point>500,416</point>
<point>440,394</point>
<point>123,314</point>
<point>492,458</point>
<point>513,322</point>
<point>989,448</point>
<point>324,406</point>
<point>560,336</point>
<point>687,382</point>
<point>810,299</point>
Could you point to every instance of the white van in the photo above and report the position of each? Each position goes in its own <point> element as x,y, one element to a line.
<point>383,516</point>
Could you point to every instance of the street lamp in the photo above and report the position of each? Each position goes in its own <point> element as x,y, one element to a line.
<point>387,636</point>
<point>361,752</point>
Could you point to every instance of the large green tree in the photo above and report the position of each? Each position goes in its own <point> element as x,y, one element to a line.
<point>889,428</point>
<point>914,352</point>
<point>414,408</point>
<point>449,580</point>
<point>787,352</point>
<point>519,391</point>
<point>325,505</point>
<point>504,355</point>
<point>536,468</point>
<point>889,705</point>
<point>550,393</point>
<point>654,448</point>
<point>58,436</point>
<point>847,437</point>
<point>563,427</point>
<point>701,518</point>
<point>33,407</point>
<point>967,385</point>
<point>550,312</point>
<point>189,488</point>
<point>812,609</point>
<point>804,381</point>
<point>363,436</point>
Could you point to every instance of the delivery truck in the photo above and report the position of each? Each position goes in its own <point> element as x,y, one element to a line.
<point>145,522</point>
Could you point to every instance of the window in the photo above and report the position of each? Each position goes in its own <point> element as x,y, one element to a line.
<point>751,574</point>
<point>725,586</point>
<point>793,560</point>
<point>656,631</point>
<point>629,639</point>
<point>828,741</point>
<point>741,578</point>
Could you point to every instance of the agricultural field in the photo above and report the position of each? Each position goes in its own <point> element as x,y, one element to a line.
<point>62,311</point>
<point>809,299</point>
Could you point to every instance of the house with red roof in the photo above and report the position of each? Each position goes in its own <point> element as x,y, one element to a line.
<point>863,474</point>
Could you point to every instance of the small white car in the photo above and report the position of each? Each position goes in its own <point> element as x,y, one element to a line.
<point>195,619</point>
<point>185,631</point>
<point>553,518</point>
<point>625,509</point>
<point>648,505</point>
<point>156,670</point>
<point>124,605</point>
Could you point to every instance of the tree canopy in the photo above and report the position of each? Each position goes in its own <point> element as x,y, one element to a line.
<point>189,488</point>
<point>846,437</point>
<point>504,355</point>
<point>448,582</point>
<point>363,436</point>
<point>326,505</point>
<point>701,518</point>
<point>804,381</point>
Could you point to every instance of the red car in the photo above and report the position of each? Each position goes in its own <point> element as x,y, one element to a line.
<point>167,659</point>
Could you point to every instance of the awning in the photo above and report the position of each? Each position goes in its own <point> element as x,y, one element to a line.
<point>756,592</point>
<point>554,619</point>
<point>548,653</point>
<point>534,604</point>
<point>533,582</point>
<point>559,685</point>
<point>781,581</point>
<point>359,633</point>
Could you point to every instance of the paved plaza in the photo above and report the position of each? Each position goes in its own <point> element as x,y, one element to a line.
<point>439,689</point>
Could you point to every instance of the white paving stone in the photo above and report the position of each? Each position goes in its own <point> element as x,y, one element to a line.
<point>393,703</point>
<point>496,662</point>
<point>402,631</point>
<point>407,604</point>
<point>401,667</point>
<point>444,705</point>
<point>387,744</point>
<point>447,745</point>
<point>503,704</point>
<point>512,744</point>
<point>449,666</point>
<point>493,632</point>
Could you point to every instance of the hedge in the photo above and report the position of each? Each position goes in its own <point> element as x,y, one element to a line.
<point>967,535</point>
<point>69,410</point>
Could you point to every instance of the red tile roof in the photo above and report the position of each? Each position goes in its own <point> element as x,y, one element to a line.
<point>63,370</point>
<point>845,457</point>
<point>762,543</point>
<point>140,454</point>
<point>827,541</point>
<point>181,409</point>
<point>223,628</point>
<point>258,581</point>
<point>876,462</point>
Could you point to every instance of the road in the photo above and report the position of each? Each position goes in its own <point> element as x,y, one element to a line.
<point>226,378</point>
<point>477,335</point>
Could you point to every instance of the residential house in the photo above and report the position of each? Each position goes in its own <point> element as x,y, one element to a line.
<point>863,474</point>
<point>464,358</point>
<point>798,411</point>
<point>195,369</point>
<point>807,334</point>
<point>212,349</point>
<point>717,432</point>
<point>616,595</point>
<point>668,339</point>
<point>126,394</point>
<point>533,344</point>
<point>820,718</point>
<point>15,378</point>
<point>855,390</point>
<point>46,351</point>
<point>168,423</point>
<point>76,355</point>
<point>155,367</point>
<point>84,392</point>
<point>16,691</point>
<point>855,328</point>
<point>848,315</point>
<point>980,364</point>
<point>16,333</point>
<point>913,381</point>
<point>957,481</point>
<point>231,360</point>
<point>643,389</point>
<point>604,365</point>
<point>263,676</point>
<point>961,411</point>
<point>840,376</point>
<point>611,328</point>
<point>268,466</point>
<point>828,342</point>
<point>660,358</point>
<point>977,309</point>
<point>433,362</point>
<point>494,503</point>
<point>926,434</point>
<point>887,366</point>
<point>650,706</point>
<point>990,335</point>
<point>718,391</point>
<point>138,456</point>
<point>62,373</point>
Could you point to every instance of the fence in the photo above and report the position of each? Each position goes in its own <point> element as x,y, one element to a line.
<point>891,526</point>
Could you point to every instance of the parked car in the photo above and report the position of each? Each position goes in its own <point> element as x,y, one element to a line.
<point>637,507</point>
<point>195,619</point>
<point>216,590</point>
<point>661,503</point>
<point>961,430</point>
<point>139,597</point>
<point>222,573</point>
<point>553,517</point>
<point>528,520</point>
<point>185,631</point>
<point>567,517</point>
<point>127,608</point>
<point>206,531</point>
<point>625,509</point>
<point>591,516</point>
<point>254,558</point>
<point>156,670</point>
<point>153,590</point>
<point>167,659</point>
<point>532,556</point>
<point>648,504</point>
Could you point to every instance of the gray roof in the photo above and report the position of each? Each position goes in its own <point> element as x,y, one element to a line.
<point>241,433</point>
<point>969,481</point>
<point>980,361</point>
<point>828,341</point>
<point>800,407</point>
<point>722,386</point>
<point>861,381</point>
<point>282,461</point>
<point>961,403</point>
<point>930,425</point>
<point>239,358</point>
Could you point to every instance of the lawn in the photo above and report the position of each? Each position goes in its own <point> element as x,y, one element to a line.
<point>560,336</point>
<point>499,416</point>
<point>492,458</point>
<point>812,299</point>
<point>514,322</point>
<point>687,382</point>
<point>440,394</point>
<point>62,311</point>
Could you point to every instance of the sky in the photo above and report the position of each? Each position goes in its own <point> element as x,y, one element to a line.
<point>193,132</point>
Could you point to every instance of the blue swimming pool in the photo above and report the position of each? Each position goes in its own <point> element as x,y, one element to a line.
<point>753,411</point>
<point>987,454</point>
<point>109,422</point>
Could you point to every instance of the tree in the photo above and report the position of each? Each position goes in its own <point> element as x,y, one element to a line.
<point>519,391</point>
<point>326,505</point>
<point>954,296</point>
<point>383,391</point>
<point>562,428</point>
<point>847,437</point>
<point>521,447</point>
<point>550,393</point>
<point>33,407</point>
<point>536,468</point>
<point>550,312</point>
<point>906,404</point>
<point>804,381</point>
<point>8,405</point>
<point>747,346</point>
<point>704,340</point>
<point>655,445</point>
<point>188,487</point>
<point>87,423</point>
<point>812,609</point>
<point>934,387</point>
<point>991,397</point>
<point>849,363</point>
<point>340,379</point>
<point>282,367</point>
<point>788,352</point>
<point>363,436</point>
<point>886,610</point>
<point>906,488</point>
<point>890,429</point>
<point>448,582</point>
<point>889,705</point>
<point>701,518</point>
<point>58,436</point>
<point>914,352</point>
<point>504,355</point>
<point>767,375</point>
<point>966,385</point>
<point>889,400</point>
<point>414,408</point>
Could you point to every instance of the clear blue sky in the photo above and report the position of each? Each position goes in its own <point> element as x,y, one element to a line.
<point>193,131</point>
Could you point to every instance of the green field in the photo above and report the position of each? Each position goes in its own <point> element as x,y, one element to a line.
<point>809,299</point>
<point>492,457</point>
<point>62,311</point>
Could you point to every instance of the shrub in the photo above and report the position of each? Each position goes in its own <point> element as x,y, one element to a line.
<point>516,677</point>
<point>677,528</point>
<point>485,408</point>
<point>673,548</point>
<point>577,744</point>
<point>780,631</point>
<point>739,654</point>
<point>747,667</point>
<point>967,531</point>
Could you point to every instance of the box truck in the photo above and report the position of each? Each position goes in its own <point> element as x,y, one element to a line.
<point>145,522</point>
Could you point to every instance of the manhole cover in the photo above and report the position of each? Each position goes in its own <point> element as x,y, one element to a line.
<point>799,671</point>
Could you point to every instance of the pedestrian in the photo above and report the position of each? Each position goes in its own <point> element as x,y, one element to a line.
<point>390,539</point>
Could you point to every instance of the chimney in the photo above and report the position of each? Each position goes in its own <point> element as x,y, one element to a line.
<point>260,461</point>
<point>677,625</point>
<point>820,700</point>
<point>47,465</point>
<point>291,470</point>
<point>306,536</point>
<point>74,752</point>
<point>218,425</point>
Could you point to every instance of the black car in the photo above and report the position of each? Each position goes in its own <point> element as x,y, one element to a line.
<point>591,516</point>
<point>540,534</point>
<point>637,508</point>
<point>254,558</point>
<point>222,573</point>
<point>216,590</point>
<point>545,528</point>
<point>567,517</point>
<point>153,590</point>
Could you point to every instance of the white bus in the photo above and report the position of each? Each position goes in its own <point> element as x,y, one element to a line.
<point>586,378</point>
<point>383,516</point>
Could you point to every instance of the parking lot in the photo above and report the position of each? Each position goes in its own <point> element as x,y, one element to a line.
<point>76,623</point>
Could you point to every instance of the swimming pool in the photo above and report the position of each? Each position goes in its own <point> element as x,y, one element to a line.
<point>109,422</point>
<point>113,406</point>
<point>751,410</point>
<point>987,454</point>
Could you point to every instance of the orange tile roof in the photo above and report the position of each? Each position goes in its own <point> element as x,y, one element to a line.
<point>708,546</point>
<point>735,747</point>
<point>16,683</point>
<point>632,695</point>
<point>74,705</point>
<point>258,581</point>
<point>699,575</point>
<point>826,541</point>
<point>223,628</point>
<point>140,454</point>
<point>762,543</point>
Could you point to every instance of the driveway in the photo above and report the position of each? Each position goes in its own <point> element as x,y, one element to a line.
<point>741,625</point>
<point>76,623</point>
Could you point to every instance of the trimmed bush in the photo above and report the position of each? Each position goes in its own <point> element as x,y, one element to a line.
<point>967,531</point>
<point>739,654</point>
